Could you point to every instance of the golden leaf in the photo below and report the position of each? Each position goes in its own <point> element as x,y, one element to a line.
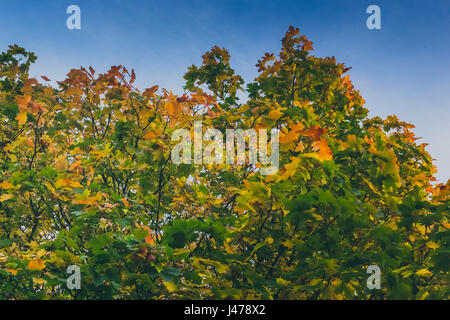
<point>275,114</point>
<point>23,101</point>
<point>170,286</point>
<point>5,197</point>
<point>324,150</point>
<point>6,185</point>
<point>424,272</point>
<point>36,265</point>
<point>22,118</point>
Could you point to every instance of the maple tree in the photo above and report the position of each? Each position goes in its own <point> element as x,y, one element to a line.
<point>87,179</point>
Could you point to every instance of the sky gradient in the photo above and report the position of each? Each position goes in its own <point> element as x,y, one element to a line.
<point>402,69</point>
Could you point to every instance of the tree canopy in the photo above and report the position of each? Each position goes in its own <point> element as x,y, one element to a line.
<point>86,179</point>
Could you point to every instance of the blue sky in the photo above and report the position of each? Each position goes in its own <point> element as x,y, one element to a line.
<point>402,69</point>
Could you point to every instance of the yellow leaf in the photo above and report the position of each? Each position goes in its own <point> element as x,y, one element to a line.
<point>6,185</point>
<point>227,246</point>
<point>41,253</point>
<point>76,184</point>
<point>289,244</point>
<point>61,183</point>
<point>432,245</point>
<point>170,286</point>
<point>291,167</point>
<point>36,265</point>
<point>424,272</point>
<point>39,281</point>
<point>314,282</point>
<point>318,217</point>
<point>423,295</point>
<point>82,199</point>
<point>22,118</point>
<point>5,197</point>
<point>282,281</point>
<point>275,114</point>
<point>300,104</point>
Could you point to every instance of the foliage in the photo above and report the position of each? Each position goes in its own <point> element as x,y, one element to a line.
<point>86,179</point>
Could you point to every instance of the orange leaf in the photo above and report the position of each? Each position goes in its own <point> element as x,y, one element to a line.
<point>314,132</point>
<point>150,135</point>
<point>150,91</point>
<point>36,265</point>
<point>6,185</point>
<point>23,101</point>
<point>323,148</point>
<point>22,118</point>
<point>75,165</point>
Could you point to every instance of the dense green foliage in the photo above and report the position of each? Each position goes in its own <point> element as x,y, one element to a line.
<point>86,179</point>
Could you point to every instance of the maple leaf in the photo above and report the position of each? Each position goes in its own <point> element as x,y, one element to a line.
<point>23,101</point>
<point>324,151</point>
<point>314,132</point>
<point>291,167</point>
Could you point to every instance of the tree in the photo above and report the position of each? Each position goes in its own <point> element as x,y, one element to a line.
<point>87,179</point>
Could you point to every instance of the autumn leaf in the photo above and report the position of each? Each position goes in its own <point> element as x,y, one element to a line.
<point>314,132</point>
<point>62,183</point>
<point>324,151</point>
<point>23,101</point>
<point>36,265</point>
<point>150,91</point>
<point>22,117</point>
<point>90,182</point>
<point>5,197</point>
<point>6,185</point>
<point>275,114</point>
<point>424,272</point>
<point>75,165</point>
<point>170,286</point>
<point>150,135</point>
<point>83,199</point>
<point>291,167</point>
<point>60,163</point>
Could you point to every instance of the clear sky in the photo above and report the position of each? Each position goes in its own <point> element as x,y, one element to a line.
<point>402,69</point>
